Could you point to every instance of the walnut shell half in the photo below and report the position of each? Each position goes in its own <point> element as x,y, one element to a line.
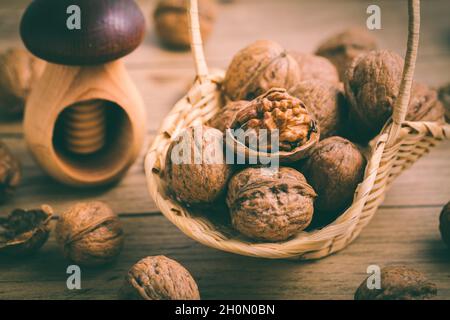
<point>159,278</point>
<point>398,283</point>
<point>259,67</point>
<point>274,125</point>
<point>24,232</point>
<point>270,204</point>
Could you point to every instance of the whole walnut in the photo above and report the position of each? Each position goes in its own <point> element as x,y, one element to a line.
<point>444,224</point>
<point>259,67</point>
<point>172,25</point>
<point>223,119</point>
<point>90,233</point>
<point>196,171</point>
<point>270,204</point>
<point>273,124</point>
<point>424,105</point>
<point>314,67</point>
<point>334,169</point>
<point>343,47</point>
<point>24,232</point>
<point>372,85</point>
<point>398,283</point>
<point>159,278</point>
<point>326,101</point>
<point>444,97</point>
<point>19,71</point>
<point>10,172</point>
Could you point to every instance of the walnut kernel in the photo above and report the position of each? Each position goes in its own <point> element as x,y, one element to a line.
<point>398,283</point>
<point>159,278</point>
<point>270,204</point>
<point>90,233</point>
<point>259,67</point>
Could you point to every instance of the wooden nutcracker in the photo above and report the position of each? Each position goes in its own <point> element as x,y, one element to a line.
<point>85,120</point>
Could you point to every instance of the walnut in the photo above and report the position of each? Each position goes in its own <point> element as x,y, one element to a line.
<point>224,118</point>
<point>444,224</point>
<point>334,170</point>
<point>372,84</point>
<point>398,283</point>
<point>19,71</point>
<point>270,204</point>
<point>90,233</point>
<point>10,172</point>
<point>444,97</point>
<point>424,104</point>
<point>159,278</point>
<point>172,25</point>
<point>259,67</point>
<point>326,101</point>
<point>281,115</point>
<point>196,171</point>
<point>343,47</point>
<point>314,67</point>
<point>24,232</point>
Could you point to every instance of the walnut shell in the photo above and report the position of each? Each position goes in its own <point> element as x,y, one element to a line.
<point>224,118</point>
<point>196,171</point>
<point>444,224</point>
<point>259,67</point>
<point>10,172</point>
<point>343,47</point>
<point>398,283</point>
<point>274,113</point>
<point>90,233</point>
<point>270,204</point>
<point>19,71</point>
<point>444,97</point>
<point>334,170</point>
<point>372,85</point>
<point>314,67</point>
<point>24,232</point>
<point>424,105</point>
<point>172,25</point>
<point>326,101</point>
<point>159,278</point>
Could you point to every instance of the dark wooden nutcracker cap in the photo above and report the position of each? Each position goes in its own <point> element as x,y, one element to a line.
<point>110,29</point>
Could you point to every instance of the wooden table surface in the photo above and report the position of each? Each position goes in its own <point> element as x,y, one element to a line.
<point>404,230</point>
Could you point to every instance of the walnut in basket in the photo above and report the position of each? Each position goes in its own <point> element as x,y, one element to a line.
<point>334,170</point>
<point>313,67</point>
<point>275,113</point>
<point>224,118</point>
<point>270,204</point>
<point>259,67</point>
<point>326,101</point>
<point>444,97</point>
<point>398,283</point>
<point>343,47</point>
<point>19,71</point>
<point>444,224</point>
<point>196,171</point>
<point>159,278</point>
<point>171,21</point>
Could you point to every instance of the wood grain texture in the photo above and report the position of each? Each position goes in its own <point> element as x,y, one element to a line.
<point>404,230</point>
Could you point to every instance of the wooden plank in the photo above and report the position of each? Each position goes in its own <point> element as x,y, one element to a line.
<point>407,236</point>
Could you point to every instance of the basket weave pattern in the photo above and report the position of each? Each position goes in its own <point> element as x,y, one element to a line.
<point>396,148</point>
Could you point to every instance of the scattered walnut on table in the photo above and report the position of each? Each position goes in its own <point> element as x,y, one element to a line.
<point>159,278</point>
<point>24,232</point>
<point>398,283</point>
<point>326,102</point>
<point>90,233</point>
<point>259,67</point>
<point>270,204</point>
<point>345,46</point>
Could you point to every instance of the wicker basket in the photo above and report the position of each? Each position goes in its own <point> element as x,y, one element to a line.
<point>395,149</point>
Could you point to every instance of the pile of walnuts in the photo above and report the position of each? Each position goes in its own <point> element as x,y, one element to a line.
<point>313,113</point>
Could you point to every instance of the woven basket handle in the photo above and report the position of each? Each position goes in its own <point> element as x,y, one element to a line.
<point>402,102</point>
<point>201,67</point>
